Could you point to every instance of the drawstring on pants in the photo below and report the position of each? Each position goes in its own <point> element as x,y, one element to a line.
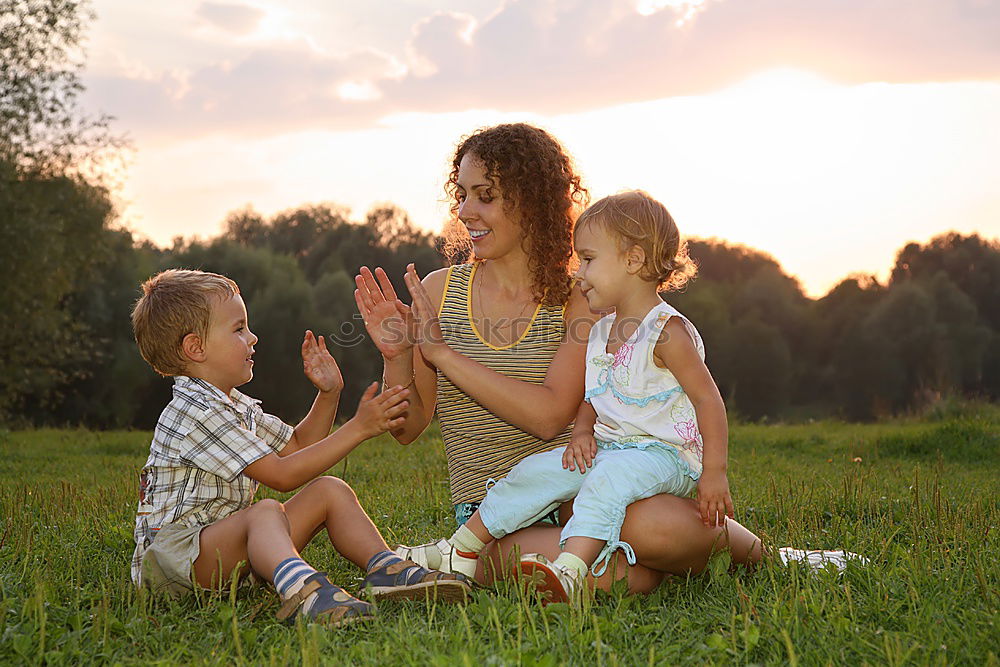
<point>609,549</point>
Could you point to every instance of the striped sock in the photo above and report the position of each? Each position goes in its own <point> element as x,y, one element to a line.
<point>290,576</point>
<point>381,559</point>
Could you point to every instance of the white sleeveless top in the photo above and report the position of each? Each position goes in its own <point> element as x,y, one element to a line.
<point>639,404</point>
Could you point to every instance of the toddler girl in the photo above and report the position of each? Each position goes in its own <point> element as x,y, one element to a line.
<point>652,420</point>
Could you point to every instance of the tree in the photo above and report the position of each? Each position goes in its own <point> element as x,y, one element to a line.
<point>246,227</point>
<point>42,128</point>
<point>973,265</point>
<point>50,236</point>
<point>52,218</point>
<point>392,227</point>
<point>115,388</point>
<point>970,262</point>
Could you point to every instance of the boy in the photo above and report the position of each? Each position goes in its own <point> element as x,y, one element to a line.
<point>213,445</point>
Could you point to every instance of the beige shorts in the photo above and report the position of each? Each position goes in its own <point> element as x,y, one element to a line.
<point>167,563</point>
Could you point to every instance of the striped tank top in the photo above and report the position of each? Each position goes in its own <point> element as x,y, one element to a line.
<point>478,444</point>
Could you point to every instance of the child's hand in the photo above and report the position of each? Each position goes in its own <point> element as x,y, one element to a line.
<point>580,452</point>
<point>319,365</point>
<point>378,414</point>
<point>714,500</point>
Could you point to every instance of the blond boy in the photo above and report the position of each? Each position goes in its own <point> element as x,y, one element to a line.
<point>197,522</point>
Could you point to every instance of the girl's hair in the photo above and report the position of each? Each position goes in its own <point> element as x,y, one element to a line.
<point>635,218</point>
<point>538,181</point>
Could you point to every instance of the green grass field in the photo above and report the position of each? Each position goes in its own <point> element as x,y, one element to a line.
<point>922,503</point>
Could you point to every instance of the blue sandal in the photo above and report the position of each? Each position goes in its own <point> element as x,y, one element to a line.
<point>405,580</point>
<point>334,606</point>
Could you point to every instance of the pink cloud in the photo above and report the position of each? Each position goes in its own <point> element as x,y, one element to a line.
<point>560,56</point>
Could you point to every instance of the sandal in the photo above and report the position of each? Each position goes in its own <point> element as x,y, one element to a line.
<point>333,607</point>
<point>405,580</point>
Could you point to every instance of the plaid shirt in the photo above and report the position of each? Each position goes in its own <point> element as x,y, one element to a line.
<point>194,473</point>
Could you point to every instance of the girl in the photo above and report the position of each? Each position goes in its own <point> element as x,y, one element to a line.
<point>652,420</point>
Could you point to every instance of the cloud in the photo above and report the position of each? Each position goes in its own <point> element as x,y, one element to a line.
<point>562,56</point>
<point>285,88</point>
<point>236,19</point>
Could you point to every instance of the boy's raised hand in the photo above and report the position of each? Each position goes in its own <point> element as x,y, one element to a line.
<point>378,414</point>
<point>319,365</point>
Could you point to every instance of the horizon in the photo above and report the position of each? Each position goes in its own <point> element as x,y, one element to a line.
<point>828,154</point>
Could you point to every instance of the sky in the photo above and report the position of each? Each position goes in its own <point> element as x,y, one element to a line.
<point>826,133</point>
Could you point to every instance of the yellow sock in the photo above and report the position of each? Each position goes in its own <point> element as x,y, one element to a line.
<point>573,563</point>
<point>465,541</point>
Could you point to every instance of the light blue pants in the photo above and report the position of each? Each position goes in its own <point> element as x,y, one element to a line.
<point>618,478</point>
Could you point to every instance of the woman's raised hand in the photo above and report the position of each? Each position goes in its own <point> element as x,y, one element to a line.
<point>386,318</point>
<point>426,328</point>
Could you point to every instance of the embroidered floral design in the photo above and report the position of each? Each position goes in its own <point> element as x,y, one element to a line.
<point>686,426</point>
<point>602,360</point>
<point>619,367</point>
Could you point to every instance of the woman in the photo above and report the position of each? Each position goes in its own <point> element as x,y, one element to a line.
<point>503,365</point>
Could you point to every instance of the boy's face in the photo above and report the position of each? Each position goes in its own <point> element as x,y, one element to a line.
<point>228,346</point>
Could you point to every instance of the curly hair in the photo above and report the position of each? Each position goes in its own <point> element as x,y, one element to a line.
<point>538,180</point>
<point>635,218</point>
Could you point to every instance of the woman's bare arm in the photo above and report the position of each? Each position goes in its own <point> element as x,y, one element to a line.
<point>541,410</point>
<point>388,323</point>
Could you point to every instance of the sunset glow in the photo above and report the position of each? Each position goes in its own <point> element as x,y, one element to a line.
<point>829,170</point>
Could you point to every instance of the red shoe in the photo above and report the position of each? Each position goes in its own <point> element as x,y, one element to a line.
<point>556,583</point>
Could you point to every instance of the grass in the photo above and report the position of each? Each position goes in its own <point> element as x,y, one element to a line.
<point>919,498</point>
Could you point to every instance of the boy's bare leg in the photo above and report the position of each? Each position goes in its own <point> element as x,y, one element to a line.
<point>329,502</point>
<point>258,536</point>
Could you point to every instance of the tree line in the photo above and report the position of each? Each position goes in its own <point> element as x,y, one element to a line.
<point>864,350</point>
<point>69,277</point>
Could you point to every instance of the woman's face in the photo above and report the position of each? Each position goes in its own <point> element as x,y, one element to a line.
<point>494,231</point>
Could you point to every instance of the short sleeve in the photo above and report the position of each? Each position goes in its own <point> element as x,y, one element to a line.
<point>272,430</point>
<point>219,444</point>
<point>667,315</point>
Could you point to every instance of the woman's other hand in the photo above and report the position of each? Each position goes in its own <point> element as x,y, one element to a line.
<point>426,327</point>
<point>386,318</point>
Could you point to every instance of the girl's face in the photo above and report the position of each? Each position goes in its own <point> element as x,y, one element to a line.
<point>603,275</point>
<point>493,230</point>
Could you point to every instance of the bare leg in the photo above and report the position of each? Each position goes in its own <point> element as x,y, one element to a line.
<point>256,537</point>
<point>329,502</point>
<point>478,528</point>
<point>500,557</point>
<point>665,531</point>
<point>667,534</point>
<point>584,548</point>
